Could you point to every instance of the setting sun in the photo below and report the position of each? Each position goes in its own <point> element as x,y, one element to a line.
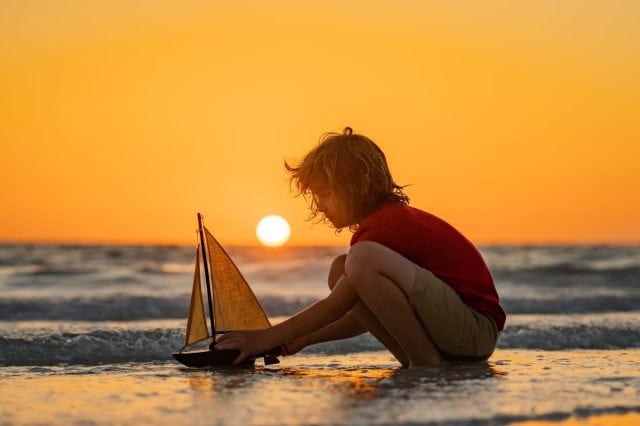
<point>273,231</point>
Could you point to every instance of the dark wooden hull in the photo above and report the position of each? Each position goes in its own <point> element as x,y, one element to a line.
<point>212,358</point>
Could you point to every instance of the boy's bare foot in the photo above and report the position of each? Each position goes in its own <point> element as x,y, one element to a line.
<point>431,362</point>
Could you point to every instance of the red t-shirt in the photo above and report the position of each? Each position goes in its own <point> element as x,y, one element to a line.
<point>433,244</point>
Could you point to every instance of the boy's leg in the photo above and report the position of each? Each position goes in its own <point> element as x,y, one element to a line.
<point>384,281</point>
<point>365,317</point>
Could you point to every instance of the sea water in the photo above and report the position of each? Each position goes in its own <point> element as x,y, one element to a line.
<point>86,329</point>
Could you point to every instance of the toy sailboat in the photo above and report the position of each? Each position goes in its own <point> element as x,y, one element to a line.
<point>232,306</point>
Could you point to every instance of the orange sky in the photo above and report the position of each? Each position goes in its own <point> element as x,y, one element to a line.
<point>518,122</point>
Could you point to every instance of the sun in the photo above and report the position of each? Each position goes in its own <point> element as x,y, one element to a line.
<point>273,231</point>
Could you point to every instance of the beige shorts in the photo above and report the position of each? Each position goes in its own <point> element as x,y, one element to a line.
<point>458,331</point>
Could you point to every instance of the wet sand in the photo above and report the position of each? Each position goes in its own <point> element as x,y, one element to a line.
<point>531,387</point>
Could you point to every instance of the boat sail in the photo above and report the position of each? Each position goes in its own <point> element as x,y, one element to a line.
<point>231,302</point>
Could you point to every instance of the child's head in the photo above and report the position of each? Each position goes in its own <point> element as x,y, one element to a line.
<point>351,169</point>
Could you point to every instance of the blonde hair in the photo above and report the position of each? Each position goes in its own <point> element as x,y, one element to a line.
<point>354,168</point>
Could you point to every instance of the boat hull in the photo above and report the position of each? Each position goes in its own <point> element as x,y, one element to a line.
<point>212,358</point>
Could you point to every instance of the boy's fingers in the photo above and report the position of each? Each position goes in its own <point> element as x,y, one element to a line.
<point>224,337</point>
<point>228,344</point>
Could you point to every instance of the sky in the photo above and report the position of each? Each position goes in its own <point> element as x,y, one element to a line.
<point>517,122</point>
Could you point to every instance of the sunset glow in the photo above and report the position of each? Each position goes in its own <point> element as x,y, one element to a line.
<point>517,122</point>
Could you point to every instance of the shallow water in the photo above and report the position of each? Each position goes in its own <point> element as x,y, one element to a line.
<point>362,388</point>
<point>86,335</point>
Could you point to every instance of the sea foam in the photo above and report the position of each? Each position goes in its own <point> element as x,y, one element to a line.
<point>121,345</point>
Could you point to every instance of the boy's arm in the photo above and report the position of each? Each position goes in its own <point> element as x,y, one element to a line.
<point>317,316</point>
<point>344,328</point>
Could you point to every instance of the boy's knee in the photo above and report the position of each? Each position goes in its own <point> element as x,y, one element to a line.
<point>336,270</point>
<point>362,257</point>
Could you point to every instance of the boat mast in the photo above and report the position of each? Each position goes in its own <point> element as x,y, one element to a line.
<point>207,277</point>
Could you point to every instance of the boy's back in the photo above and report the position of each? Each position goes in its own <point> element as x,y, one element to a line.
<point>435,245</point>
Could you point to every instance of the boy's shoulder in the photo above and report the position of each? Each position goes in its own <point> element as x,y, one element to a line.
<point>395,224</point>
<point>407,219</point>
<point>398,217</point>
<point>385,212</point>
<point>400,211</point>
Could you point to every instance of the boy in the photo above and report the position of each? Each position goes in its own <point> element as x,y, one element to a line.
<point>410,279</point>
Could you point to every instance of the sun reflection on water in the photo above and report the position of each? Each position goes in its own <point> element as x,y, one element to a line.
<point>594,386</point>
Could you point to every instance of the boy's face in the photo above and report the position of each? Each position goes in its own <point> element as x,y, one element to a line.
<point>330,206</point>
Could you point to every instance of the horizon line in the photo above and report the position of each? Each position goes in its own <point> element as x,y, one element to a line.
<point>305,245</point>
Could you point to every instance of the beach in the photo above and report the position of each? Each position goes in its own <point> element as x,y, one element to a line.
<point>364,388</point>
<point>88,331</point>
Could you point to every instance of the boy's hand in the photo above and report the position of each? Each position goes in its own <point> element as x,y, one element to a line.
<point>247,342</point>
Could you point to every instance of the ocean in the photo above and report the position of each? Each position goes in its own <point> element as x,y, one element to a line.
<point>75,316</point>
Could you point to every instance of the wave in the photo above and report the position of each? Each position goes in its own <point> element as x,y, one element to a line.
<point>138,307</point>
<point>570,268</point>
<point>133,345</point>
<point>571,305</point>
<point>95,347</point>
<point>125,308</point>
<point>114,308</point>
<point>569,275</point>
<point>57,271</point>
<point>575,336</point>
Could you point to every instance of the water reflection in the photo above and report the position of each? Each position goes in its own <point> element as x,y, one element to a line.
<point>563,388</point>
<point>353,383</point>
<point>350,384</point>
<point>450,375</point>
<point>603,420</point>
